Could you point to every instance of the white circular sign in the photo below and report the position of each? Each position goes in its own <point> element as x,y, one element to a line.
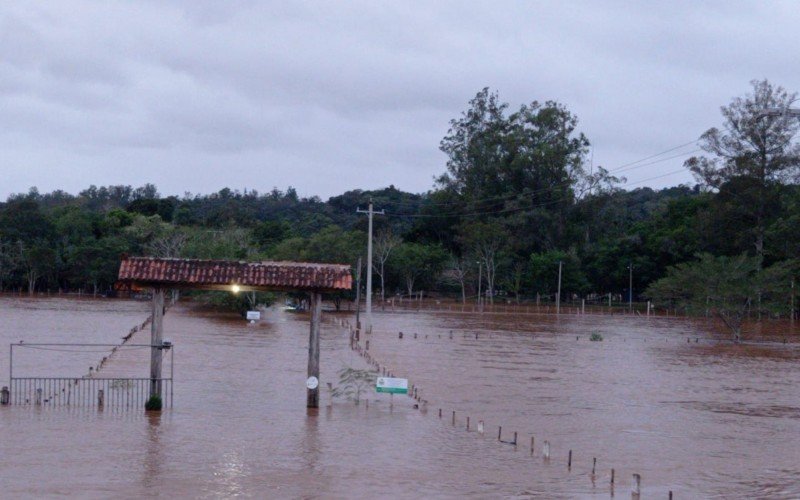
<point>312,382</point>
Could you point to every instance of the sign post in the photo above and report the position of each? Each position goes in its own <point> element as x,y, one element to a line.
<point>392,386</point>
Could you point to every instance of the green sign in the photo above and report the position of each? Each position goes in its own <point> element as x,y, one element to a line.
<point>392,385</point>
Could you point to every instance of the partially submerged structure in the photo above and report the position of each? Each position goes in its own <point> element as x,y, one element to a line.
<point>160,274</point>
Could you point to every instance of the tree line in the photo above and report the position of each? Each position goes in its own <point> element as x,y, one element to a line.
<point>516,198</point>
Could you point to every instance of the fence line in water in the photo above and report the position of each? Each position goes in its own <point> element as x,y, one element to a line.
<point>414,393</point>
<point>86,392</point>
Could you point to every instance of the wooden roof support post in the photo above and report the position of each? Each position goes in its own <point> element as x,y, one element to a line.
<point>312,395</point>
<point>156,337</point>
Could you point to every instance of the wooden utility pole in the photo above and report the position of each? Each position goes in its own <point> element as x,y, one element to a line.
<point>312,394</point>
<point>156,339</point>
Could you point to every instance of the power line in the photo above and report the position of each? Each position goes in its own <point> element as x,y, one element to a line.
<point>516,209</point>
<point>626,167</point>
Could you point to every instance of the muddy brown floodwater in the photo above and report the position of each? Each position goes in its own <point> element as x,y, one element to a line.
<point>704,419</point>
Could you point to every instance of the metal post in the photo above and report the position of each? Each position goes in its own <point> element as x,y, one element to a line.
<point>558,294</point>
<point>156,337</point>
<point>480,279</point>
<point>369,272</point>
<point>630,287</point>
<point>312,394</point>
<point>358,298</point>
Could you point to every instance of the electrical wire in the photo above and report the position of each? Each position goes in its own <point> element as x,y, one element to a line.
<point>516,209</point>
<point>621,168</point>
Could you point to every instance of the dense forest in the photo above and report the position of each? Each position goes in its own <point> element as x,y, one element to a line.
<point>516,199</point>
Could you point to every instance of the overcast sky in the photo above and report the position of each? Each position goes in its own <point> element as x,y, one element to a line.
<point>327,96</point>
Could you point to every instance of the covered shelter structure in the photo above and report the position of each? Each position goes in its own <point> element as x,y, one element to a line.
<point>160,274</point>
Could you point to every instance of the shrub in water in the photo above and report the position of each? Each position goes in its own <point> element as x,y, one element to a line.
<point>154,403</point>
<point>596,337</point>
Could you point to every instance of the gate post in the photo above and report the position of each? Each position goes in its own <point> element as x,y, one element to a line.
<point>312,394</point>
<point>156,335</point>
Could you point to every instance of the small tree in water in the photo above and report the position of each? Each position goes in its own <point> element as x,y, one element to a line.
<point>353,382</point>
<point>726,287</point>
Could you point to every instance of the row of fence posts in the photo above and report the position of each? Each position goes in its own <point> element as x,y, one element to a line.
<point>414,393</point>
<point>650,309</point>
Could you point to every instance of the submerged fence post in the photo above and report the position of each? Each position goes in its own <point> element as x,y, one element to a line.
<point>532,445</point>
<point>100,398</point>
<point>5,396</point>
<point>39,396</point>
<point>569,460</point>
<point>636,486</point>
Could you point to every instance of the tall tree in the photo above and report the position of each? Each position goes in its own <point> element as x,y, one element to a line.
<point>752,154</point>
<point>485,240</point>
<point>385,242</point>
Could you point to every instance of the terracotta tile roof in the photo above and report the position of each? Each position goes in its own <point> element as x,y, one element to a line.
<point>198,273</point>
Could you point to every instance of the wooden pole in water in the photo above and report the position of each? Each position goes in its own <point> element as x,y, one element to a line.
<point>312,395</point>
<point>569,460</point>
<point>612,477</point>
<point>636,486</point>
<point>532,445</point>
<point>156,338</point>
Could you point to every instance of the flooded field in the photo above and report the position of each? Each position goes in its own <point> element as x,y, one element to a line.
<point>663,397</point>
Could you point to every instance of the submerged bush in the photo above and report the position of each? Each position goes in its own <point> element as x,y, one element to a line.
<point>596,337</point>
<point>154,403</point>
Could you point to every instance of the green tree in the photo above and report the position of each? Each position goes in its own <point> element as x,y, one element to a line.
<point>727,287</point>
<point>485,240</point>
<point>752,154</point>
<point>415,263</point>
<point>544,273</point>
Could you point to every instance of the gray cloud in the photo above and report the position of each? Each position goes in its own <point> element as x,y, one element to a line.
<point>325,96</point>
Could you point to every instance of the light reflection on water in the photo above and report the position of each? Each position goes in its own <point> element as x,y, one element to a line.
<point>700,419</point>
